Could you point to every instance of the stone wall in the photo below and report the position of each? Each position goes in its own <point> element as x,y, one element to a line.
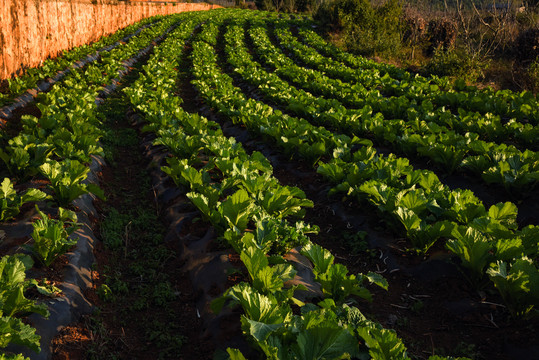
<point>34,30</point>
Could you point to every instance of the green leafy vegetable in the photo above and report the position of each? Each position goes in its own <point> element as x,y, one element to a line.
<point>51,237</point>
<point>66,180</point>
<point>13,330</point>
<point>519,286</point>
<point>11,201</point>
<point>474,251</point>
<point>13,285</point>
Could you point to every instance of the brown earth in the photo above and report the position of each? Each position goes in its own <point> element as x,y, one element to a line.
<point>113,331</point>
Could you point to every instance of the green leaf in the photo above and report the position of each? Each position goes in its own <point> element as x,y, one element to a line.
<point>13,357</point>
<point>332,171</point>
<point>254,260</point>
<point>473,249</point>
<point>12,271</point>
<point>320,257</point>
<point>408,218</point>
<point>519,286</point>
<point>267,282</point>
<point>266,279</point>
<point>377,279</point>
<point>265,234</point>
<point>325,342</point>
<point>45,289</point>
<point>16,304</point>
<point>509,249</point>
<point>259,330</point>
<point>465,206</point>
<point>66,179</point>
<point>284,271</point>
<point>505,213</point>
<point>7,189</point>
<point>257,307</point>
<point>383,344</point>
<point>33,195</point>
<point>381,195</point>
<point>237,209</point>
<point>337,284</point>
<point>14,331</point>
<point>477,164</point>
<point>414,200</point>
<point>201,202</point>
<point>284,201</point>
<point>426,235</point>
<point>529,236</point>
<point>491,227</point>
<point>11,201</point>
<point>97,191</point>
<point>192,176</point>
<point>12,287</point>
<point>235,354</point>
<point>429,181</point>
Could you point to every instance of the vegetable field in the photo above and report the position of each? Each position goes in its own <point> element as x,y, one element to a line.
<point>322,205</point>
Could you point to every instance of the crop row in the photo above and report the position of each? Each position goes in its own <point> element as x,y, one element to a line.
<point>489,126</point>
<point>421,134</point>
<point>238,195</point>
<point>58,147</point>
<point>414,202</point>
<point>392,81</point>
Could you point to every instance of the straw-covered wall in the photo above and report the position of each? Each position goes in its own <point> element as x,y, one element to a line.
<point>33,30</point>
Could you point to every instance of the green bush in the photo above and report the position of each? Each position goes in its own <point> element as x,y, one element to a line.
<point>264,5</point>
<point>288,6</point>
<point>364,29</point>
<point>306,6</point>
<point>455,63</point>
<point>533,75</point>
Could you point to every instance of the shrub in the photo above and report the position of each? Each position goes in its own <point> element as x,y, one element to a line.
<point>364,29</point>
<point>455,63</point>
<point>264,4</point>
<point>327,16</point>
<point>290,6</point>
<point>388,26</point>
<point>533,75</point>
<point>306,5</point>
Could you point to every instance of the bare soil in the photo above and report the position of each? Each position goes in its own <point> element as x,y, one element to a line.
<point>116,330</point>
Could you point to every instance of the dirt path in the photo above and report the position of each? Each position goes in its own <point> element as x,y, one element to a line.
<point>144,302</point>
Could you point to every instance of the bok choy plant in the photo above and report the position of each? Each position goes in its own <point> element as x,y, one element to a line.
<point>13,284</point>
<point>334,278</point>
<point>51,236</point>
<point>66,179</point>
<point>518,283</point>
<point>11,201</point>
